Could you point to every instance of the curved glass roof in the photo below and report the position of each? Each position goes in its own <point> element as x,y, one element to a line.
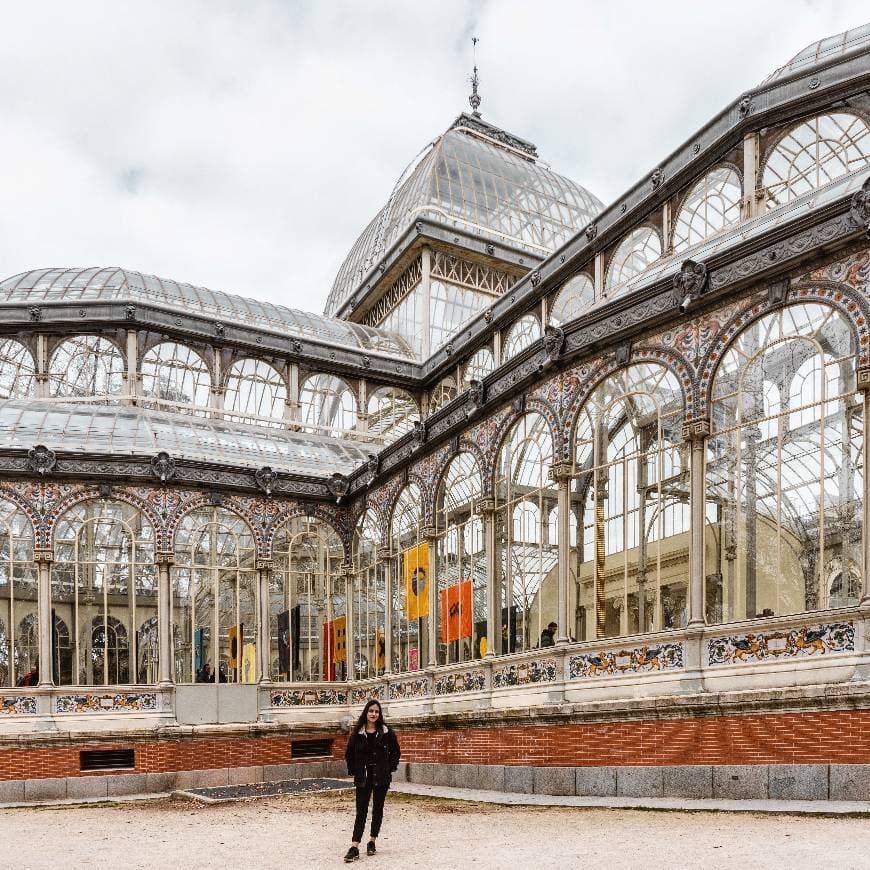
<point>130,431</point>
<point>467,179</point>
<point>822,51</point>
<point>114,284</point>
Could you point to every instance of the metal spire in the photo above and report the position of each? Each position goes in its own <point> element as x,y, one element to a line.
<point>474,99</point>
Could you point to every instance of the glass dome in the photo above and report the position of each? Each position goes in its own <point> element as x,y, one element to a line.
<point>822,51</point>
<point>481,180</point>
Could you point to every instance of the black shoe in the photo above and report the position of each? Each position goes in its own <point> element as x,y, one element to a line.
<point>352,855</point>
<point>370,848</point>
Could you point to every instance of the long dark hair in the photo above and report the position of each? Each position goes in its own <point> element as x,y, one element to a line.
<point>361,722</point>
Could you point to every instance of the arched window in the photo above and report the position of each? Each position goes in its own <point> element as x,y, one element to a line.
<point>17,371</point>
<point>813,153</point>
<point>553,528</point>
<point>174,377</point>
<point>844,584</point>
<point>61,652</point>
<point>524,333</point>
<point>307,614</point>
<point>443,394</point>
<point>255,393</point>
<point>111,651</point>
<point>460,614</point>
<point>816,377</point>
<point>784,491</point>
<point>410,575</point>
<point>712,205</point>
<point>478,367</point>
<point>573,299</point>
<point>632,565</point>
<point>86,367</point>
<point>214,599</point>
<point>525,497</point>
<point>635,252</point>
<point>327,405</point>
<point>392,413</point>
<point>369,600</point>
<point>103,582</point>
<point>18,605</point>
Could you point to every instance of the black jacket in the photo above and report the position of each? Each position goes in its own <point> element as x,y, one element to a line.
<point>385,756</point>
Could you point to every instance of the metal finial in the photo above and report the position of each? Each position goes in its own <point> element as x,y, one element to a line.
<point>474,99</point>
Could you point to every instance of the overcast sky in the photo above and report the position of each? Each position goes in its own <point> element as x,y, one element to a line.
<point>244,146</point>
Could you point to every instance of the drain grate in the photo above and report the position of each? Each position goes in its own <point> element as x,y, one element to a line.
<point>268,789</point>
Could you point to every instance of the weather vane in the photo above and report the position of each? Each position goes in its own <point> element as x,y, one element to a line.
<point>474,99</point>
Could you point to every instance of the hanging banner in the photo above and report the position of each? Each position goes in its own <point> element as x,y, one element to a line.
<point>328,651</point>
<point>415,573</point>
<point>339,652</point>
<point>284,643</point>
<point>249,663</point>
<point>380,650</point>
<point>236,634</point>
<point>456,611</point>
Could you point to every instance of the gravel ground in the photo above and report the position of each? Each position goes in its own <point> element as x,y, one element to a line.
<point>312,831</point>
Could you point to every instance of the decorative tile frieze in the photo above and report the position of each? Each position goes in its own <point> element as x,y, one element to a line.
<point>407,689</point>
<point>532,671</point>
<point>662,657</point>
<point>121,702</point>
<point>17,705</point>
<point>307,697</point>
<point>467,681</point>
<point>366,693</point>
<point>786,644</point>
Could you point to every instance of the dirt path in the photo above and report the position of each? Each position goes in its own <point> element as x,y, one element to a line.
<point>313,832</point>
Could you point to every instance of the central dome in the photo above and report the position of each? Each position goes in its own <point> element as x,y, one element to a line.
<point>481,180</point>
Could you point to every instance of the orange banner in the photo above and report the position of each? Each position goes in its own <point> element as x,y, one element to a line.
<point>456,611</point>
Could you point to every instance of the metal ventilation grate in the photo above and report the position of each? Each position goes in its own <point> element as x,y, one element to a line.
<point>107,759</point>
<point>310,748</point>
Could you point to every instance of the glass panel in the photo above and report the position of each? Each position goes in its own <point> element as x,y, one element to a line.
<point>409,591</point>
<point>635,252</point>
<point>255,393</point>
<point>327,405</point>
<point>631,489</point>
<point>392,413</point>
<point>524,333</point>
<point>19,640</point>
<point>712,205</point>
<point>527,556</point>
<point>104,596</point>
<point>214,599</point>
<point>177,378</point>
<point>784,469</point>
<point>814,153</point>
<point>460,615</point>
<point>86,367</point>
<point>573,299</point>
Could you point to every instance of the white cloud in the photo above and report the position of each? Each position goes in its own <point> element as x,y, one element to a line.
<point>244,147</point>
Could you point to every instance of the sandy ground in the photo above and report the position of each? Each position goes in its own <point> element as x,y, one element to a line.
<point>313,831</point>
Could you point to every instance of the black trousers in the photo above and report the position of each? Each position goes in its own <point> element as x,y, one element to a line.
<point>363,794</point>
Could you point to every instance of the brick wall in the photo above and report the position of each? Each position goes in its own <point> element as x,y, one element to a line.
<point>159,756</point>
<point>782,738</point>
<point>829,737</point>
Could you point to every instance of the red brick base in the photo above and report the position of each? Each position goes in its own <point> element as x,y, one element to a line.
<point>158,756</point>
<point>830,737</point>
<point>833,737</point>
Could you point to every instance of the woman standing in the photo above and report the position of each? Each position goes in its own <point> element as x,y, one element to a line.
<point>372,755</point>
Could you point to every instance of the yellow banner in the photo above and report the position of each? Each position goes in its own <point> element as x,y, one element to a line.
<point>416,576</point>
<point>235,653</point>
<point>249,663</point>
